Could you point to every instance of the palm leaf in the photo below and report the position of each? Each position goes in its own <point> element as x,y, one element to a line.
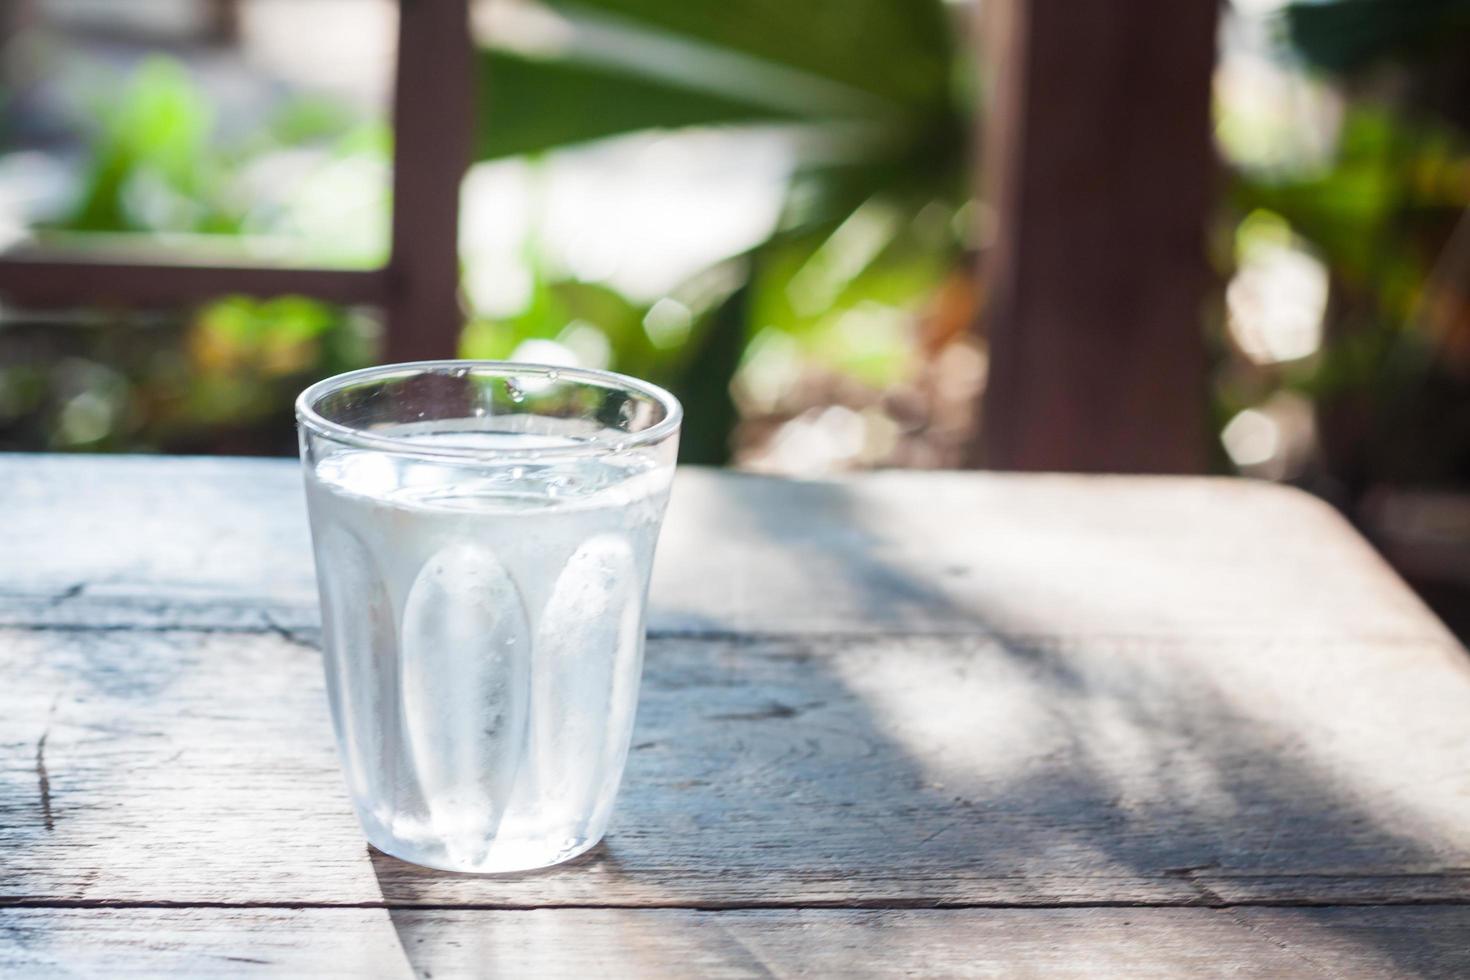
<point>531,104</point>
<point>898,50</point>
<point>1343,35</point>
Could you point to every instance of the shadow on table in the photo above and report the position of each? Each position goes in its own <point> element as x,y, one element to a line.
<point>508,941</point>
<point>1120,758</point>
<point>989,769</point>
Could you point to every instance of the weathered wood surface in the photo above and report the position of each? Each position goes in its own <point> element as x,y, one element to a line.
<point>205,543</point>
<point>671,943</point>
<point>890,694</point>
<point>199,767</point>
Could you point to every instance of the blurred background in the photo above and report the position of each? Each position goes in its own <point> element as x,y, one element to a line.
<point>848,234</point>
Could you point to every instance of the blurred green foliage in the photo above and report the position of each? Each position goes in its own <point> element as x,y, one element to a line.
<point>218,378</point>
<point>1347,36</point>
<point>873,92</point>
<point>1388,215</point>
<point>153,166</point>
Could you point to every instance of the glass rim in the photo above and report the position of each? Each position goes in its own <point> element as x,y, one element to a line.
<point>308,417</point>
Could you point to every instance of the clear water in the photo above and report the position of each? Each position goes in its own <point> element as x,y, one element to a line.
<point>483,638</point>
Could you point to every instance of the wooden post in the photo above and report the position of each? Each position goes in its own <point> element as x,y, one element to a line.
<point>433,112</point>
<point>15,17</point>
<point>1098,165</point>
<point>433,108</point>
<point>222,22</point>
<point>45,280</point>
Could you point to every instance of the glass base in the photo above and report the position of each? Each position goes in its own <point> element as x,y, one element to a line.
<point>503,856</point>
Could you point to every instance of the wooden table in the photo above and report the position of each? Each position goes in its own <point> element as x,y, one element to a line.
<point>944,724</point>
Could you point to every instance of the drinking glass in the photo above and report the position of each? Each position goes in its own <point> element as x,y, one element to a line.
<point>484,533</point>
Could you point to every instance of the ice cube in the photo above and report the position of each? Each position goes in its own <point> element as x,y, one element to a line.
<point>361,668</point>
<point>588,626</point>
<point>466,651</point>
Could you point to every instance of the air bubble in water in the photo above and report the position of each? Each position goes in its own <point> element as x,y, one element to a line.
<point>514,390</point>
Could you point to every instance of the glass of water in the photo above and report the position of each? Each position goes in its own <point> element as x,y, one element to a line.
<point>484,534</point>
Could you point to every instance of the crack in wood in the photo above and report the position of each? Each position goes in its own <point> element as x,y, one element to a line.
<point>67,594</point>
<point>287,634</point>
<point>1234,910</point>
<point>43,780</point>
<point>1017,640</point>
<point>772,710</point>
<point>1188,871</point>
<point>863,905</point>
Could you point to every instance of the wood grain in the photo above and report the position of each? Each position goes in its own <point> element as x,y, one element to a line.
<point>890,772</point>
<point>1244,943</point>
<point>944,724</point>
<point>222,544</point>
